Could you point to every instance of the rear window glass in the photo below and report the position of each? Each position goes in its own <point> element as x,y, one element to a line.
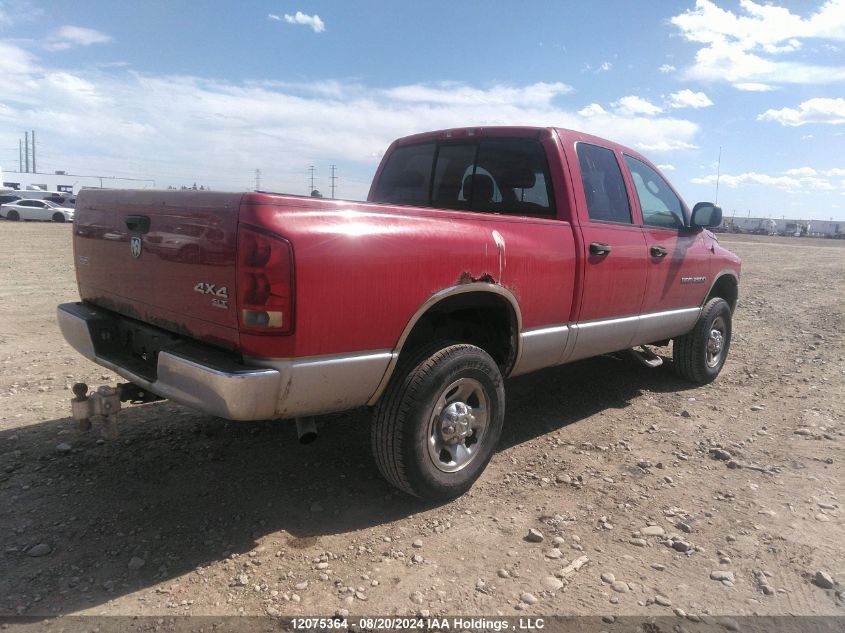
<point>507,176</point>
<point>604,188</point>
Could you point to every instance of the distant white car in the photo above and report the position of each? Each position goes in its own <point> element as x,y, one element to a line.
<point>27,209</point>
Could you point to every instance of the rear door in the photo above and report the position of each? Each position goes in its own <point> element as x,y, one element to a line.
<point>613,254</point>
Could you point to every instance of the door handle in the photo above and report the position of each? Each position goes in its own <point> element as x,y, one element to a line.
<point>138,223</point>
<point>658,251</point>
<point>597,248</point>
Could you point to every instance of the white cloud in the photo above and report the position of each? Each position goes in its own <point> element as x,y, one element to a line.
<point>314,21</point>
<point>667,68</point>
<point>181,129</point>
<point>15,61</point>
<point>69,36</point>
<point>797,180</point>
<point>453,93</point>
<point>601,68</point>
<point>801,171</point>
<point>750,47</point>
<point>750,86</point>
<point>594,109</point>
<point>15,11</point>
<point>666,167</point>
<point>689,99</point>
<point>273,16</point>
<point>633,105</point>
<point>818,110</point>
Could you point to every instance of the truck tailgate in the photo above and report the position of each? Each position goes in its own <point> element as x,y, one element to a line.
<point>167,258</point>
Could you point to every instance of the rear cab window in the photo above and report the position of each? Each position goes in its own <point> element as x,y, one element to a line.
<point>508,176</point>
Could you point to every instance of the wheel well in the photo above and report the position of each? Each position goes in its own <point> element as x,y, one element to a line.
<point>726,288</point>
<point>481,318</point>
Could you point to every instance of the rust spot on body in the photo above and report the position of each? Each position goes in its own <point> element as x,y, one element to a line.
<point>467,278</point>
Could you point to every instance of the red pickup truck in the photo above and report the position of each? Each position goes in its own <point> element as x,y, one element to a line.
<point>481,253</point>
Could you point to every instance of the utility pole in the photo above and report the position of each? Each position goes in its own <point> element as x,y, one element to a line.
<point>34,170</point>
<point>20,155</point>
<point>258,180</point>
<point>311,170</point>
<point>26,150</point>
<point>333,179</point>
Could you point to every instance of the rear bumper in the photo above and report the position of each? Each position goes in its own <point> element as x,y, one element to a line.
<point>226,385</point>
<point>223,389</point>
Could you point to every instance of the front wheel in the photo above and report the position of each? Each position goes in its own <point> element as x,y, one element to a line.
<point>700,354</point>
<point>439,420</point>
<point>58,217</point>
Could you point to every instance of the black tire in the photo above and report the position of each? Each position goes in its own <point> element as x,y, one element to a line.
<point>58,217</point>
<point>694,354</point>
<point>410,421</point>
<point>13,216</point>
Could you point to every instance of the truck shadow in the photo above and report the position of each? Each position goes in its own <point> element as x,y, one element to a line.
<point>179,490</point>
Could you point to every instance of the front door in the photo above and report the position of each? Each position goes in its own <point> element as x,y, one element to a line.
<point>678,257</point>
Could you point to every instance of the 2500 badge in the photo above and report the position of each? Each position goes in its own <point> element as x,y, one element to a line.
<point>219,296</point>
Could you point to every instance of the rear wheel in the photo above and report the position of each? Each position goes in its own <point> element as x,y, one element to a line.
<point>439,420</point>
<point>700,354</point>
<point>58,217</point>
<point>13,216</point>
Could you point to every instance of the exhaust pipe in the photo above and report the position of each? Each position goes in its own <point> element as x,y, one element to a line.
<point>306,429</point>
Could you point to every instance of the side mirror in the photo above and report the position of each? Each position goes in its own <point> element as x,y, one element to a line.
<point>706,215</point>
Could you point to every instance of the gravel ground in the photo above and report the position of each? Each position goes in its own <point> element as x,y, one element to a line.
<point>645,495</point>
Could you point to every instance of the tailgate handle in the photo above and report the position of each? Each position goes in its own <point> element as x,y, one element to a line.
<point>138,223</point>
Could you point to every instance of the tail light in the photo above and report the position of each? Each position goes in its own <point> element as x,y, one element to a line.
<point>265,283</point>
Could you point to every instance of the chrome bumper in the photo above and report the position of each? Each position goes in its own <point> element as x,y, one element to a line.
<point>235,394</point>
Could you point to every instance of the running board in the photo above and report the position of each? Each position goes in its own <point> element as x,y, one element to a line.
<point>646,357</point>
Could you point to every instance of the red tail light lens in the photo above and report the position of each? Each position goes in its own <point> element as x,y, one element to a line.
<point>265,283</point>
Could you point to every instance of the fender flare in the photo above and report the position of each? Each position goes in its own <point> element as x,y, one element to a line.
<point>432,301</point>
<point>725,272</point>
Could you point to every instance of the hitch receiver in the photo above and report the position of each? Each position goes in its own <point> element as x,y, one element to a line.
<point>105,402</point>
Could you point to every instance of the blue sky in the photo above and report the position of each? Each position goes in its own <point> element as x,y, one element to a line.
<point>210,92</point>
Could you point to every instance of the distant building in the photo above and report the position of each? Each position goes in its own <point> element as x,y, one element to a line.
<point>63,182</point>
<point>784,226</point>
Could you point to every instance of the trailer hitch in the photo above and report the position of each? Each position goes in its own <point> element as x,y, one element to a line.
<point>106,403</point>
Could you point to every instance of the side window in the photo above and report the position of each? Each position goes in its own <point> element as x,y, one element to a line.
<point>604,188</point>
<point>659,204</point>
<point>28,203</point>
<point>407,175</point>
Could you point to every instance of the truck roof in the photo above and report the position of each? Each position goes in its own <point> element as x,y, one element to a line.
<point>523,131</point>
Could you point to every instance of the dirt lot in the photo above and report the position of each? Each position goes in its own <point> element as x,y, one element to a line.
<point>187,514</point>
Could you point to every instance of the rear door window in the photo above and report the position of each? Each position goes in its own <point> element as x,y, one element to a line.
<point>604,188</point>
